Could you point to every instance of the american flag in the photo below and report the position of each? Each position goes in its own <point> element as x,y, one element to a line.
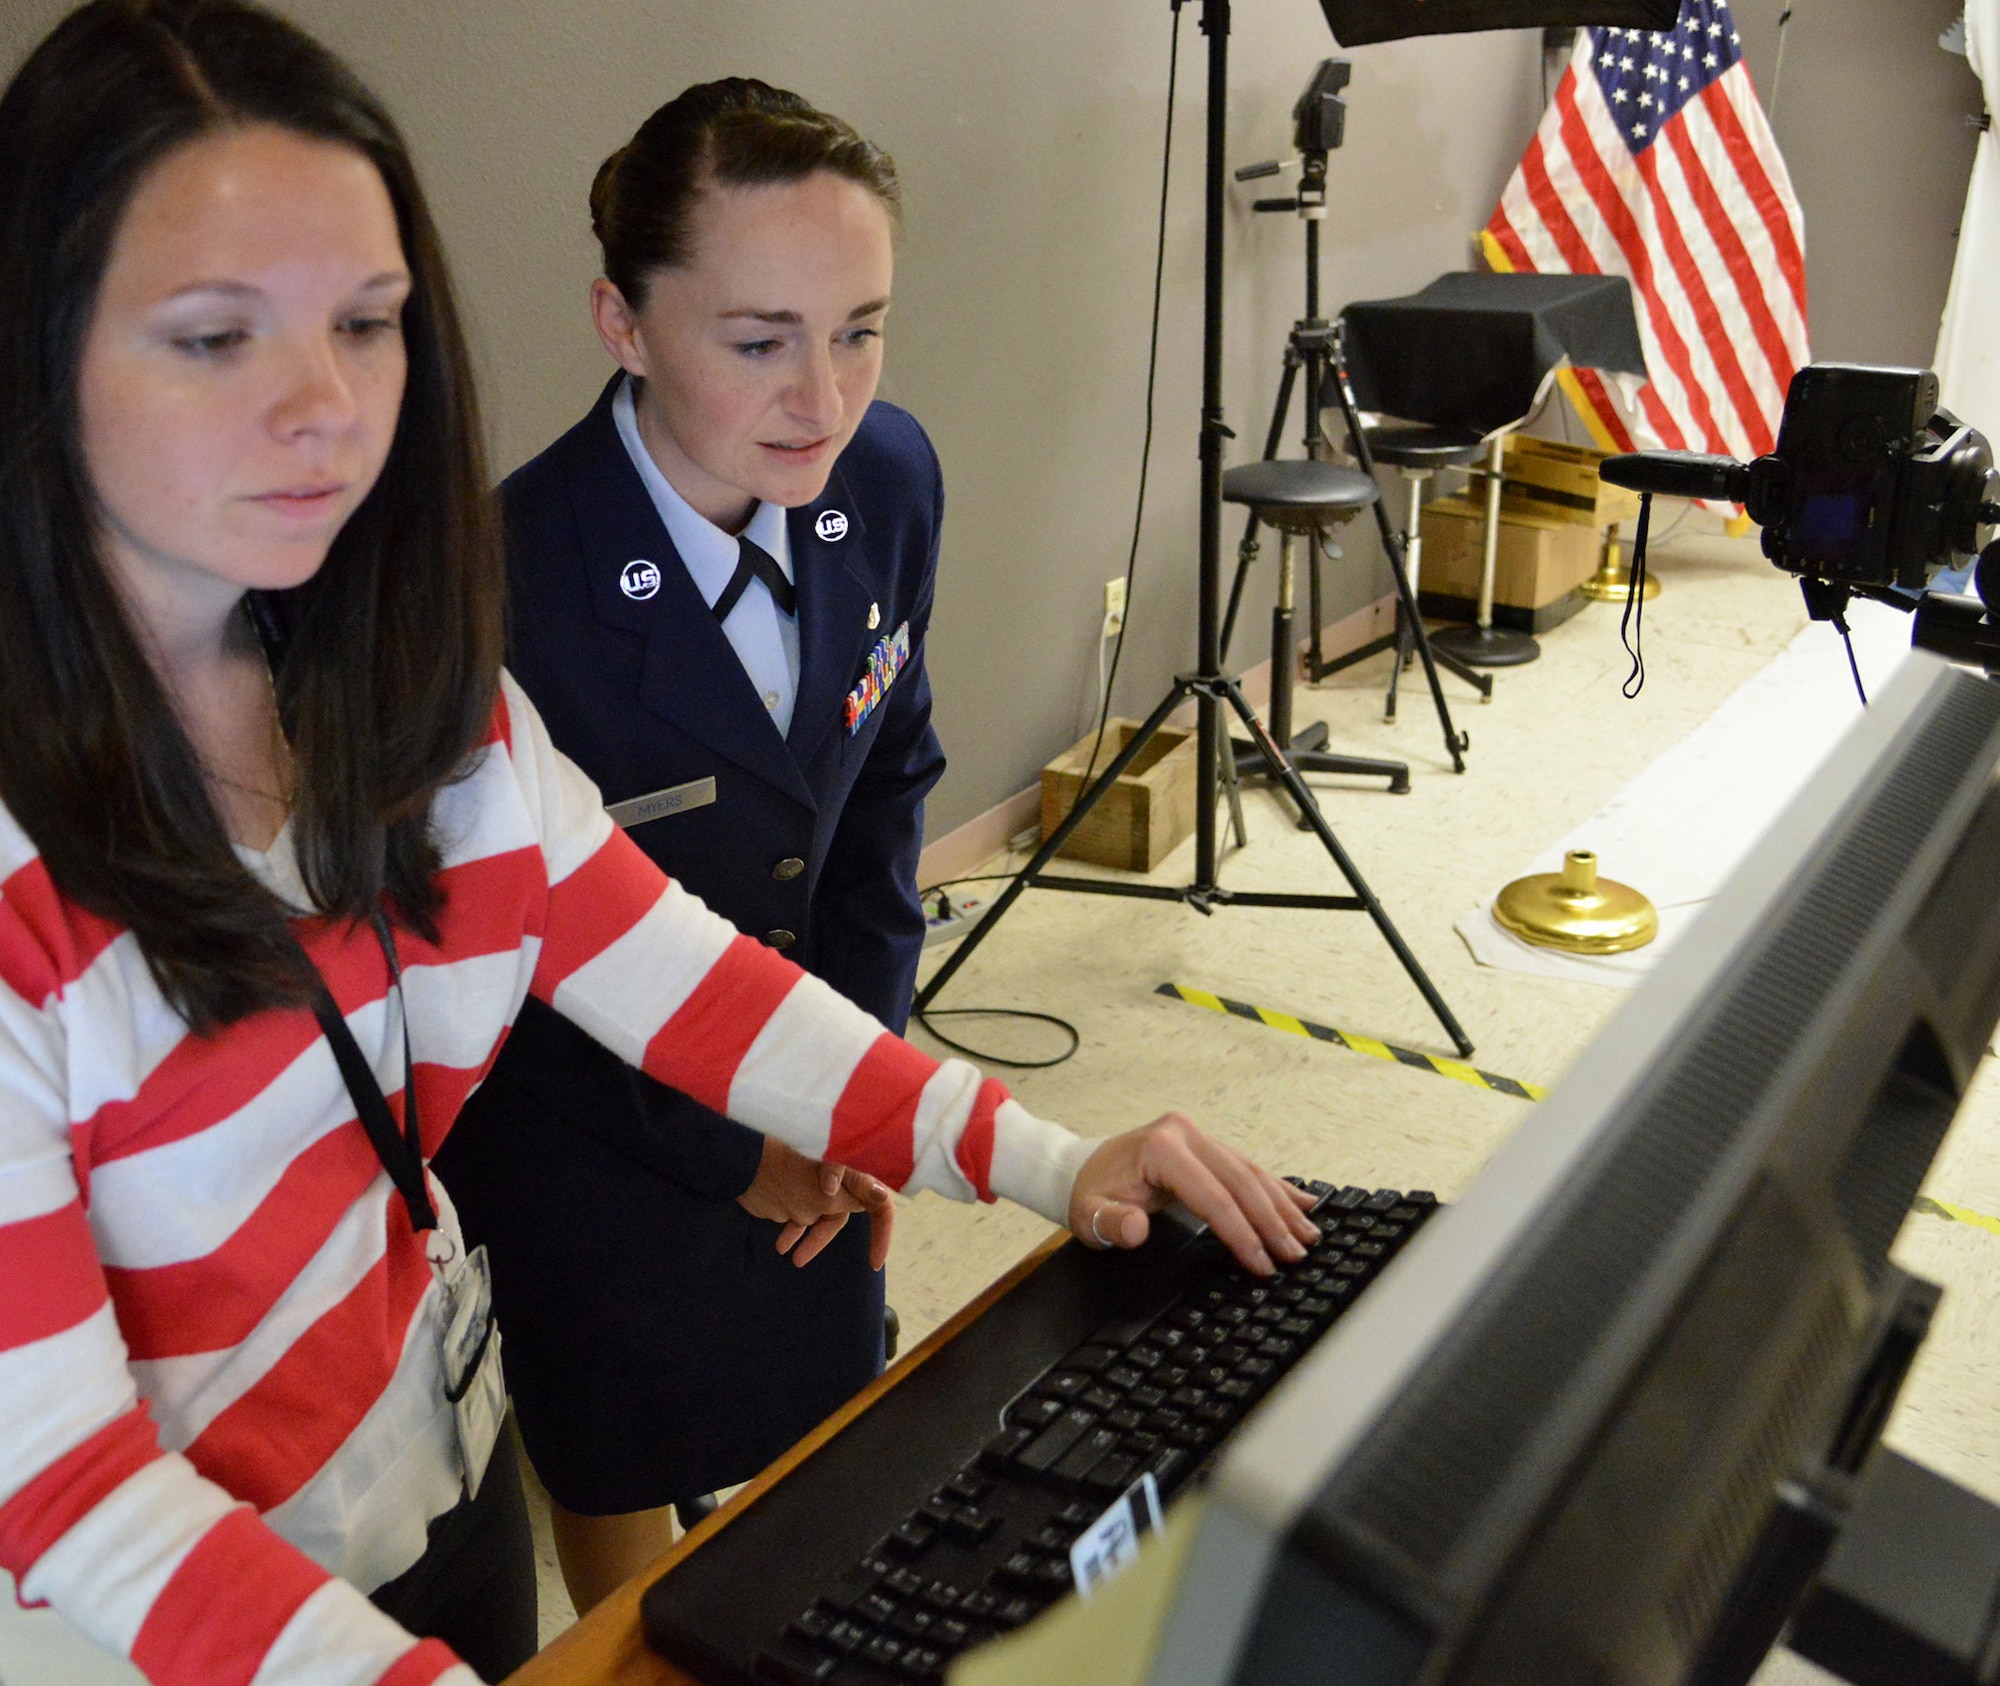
<point>1654,161</point>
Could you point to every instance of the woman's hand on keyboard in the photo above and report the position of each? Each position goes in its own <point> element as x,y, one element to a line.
<point>1257,1216</point>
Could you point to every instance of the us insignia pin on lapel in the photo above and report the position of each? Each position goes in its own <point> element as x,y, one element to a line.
<point>831,525</point>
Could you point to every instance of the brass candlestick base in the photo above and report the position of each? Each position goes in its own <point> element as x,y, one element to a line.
<point>1612,583</point>
<point>1573,911</point>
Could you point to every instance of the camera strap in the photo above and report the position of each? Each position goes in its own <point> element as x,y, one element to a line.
<point>400,1150</point>
<point>1634,616</point>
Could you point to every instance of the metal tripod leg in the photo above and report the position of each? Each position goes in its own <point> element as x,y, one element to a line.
<point>1086,800</point>
<point>1413,550</point>
<point>1205,895</point>
<point>1301,794</point>
<point>1232,790</point>
<point>1413,545</point>
<point>1455,741</point>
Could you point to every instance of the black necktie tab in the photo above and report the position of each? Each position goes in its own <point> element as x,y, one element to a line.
<point>755,563</point>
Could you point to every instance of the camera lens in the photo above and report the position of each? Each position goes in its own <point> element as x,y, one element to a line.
<point>1986,579</point>
<point>1970,484</point>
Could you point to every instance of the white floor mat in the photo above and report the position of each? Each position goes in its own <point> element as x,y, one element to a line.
<point>1677,829</point>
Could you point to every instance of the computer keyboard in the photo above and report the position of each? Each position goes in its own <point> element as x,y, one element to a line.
<point>918,1531</point>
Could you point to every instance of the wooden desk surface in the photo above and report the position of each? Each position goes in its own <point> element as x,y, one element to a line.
<point>607,1648</point>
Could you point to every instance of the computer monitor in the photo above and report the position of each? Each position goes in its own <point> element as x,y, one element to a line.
<point>1587,1431</point>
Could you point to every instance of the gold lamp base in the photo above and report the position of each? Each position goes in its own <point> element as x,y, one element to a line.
<point>1612,583</point>
<point>1573,911</point>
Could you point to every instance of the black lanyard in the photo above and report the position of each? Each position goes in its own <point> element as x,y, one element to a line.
<point>401,1152</point>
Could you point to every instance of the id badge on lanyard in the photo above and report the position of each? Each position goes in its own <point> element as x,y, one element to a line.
<point>469,1356</point>
<point>468,1341</point>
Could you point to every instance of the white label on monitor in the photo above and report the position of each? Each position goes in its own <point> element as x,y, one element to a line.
<point>1111,1542</point>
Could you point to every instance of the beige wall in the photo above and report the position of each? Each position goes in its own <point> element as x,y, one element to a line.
<point>1028,136</point>
<point>1871,115</point>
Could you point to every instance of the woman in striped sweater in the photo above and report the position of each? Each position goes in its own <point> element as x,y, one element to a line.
<point>278,840</point>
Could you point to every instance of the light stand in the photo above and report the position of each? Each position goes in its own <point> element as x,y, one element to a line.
<point>1211,688</point>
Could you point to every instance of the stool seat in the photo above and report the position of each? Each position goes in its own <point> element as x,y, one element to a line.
<point>1299,496</point>
<point>1416,445</point>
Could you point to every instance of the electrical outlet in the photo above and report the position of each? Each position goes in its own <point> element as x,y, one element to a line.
<point>1114,606</point>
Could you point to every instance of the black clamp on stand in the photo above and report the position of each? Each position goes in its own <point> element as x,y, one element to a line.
<point>1214,690</point>
<point>1313,349</point>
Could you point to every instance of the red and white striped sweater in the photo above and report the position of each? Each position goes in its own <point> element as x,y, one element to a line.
<point>219,1404</point>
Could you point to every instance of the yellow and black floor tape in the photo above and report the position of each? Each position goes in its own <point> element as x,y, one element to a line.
<point>1457,1070</point>
<point>1460,1072</point>
<point>1955,1214</point>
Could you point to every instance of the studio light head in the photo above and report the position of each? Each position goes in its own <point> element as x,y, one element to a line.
<point>1356,23</point>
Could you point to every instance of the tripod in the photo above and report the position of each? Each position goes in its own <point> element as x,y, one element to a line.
<point>1209,686</point>
<point>1313,350</point>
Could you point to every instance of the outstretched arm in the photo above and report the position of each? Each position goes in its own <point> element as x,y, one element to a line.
<point>639,963</point>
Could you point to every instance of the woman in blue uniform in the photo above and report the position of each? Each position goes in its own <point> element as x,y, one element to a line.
<point>720,584</point>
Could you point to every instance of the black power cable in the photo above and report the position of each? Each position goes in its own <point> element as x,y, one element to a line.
<point>1152,381</point>
<point>924,1018</point>
<point>1117,649</point>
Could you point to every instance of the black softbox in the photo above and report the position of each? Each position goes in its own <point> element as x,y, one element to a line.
<point>1355,23</point>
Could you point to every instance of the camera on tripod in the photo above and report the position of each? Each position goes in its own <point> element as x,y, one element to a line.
<point>1872,491</point>
<point>1319,126</point>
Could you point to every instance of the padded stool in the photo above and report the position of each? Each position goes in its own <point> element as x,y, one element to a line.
<point>1417,452</point>
<point>1301,499</point>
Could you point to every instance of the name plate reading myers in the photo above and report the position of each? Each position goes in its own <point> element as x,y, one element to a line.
<point>675,799</point>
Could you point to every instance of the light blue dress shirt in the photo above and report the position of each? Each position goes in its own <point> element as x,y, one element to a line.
<point>766,641</point>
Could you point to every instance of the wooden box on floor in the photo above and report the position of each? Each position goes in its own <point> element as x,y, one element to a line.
<point>1141,817</point>
<point>1542,559</point>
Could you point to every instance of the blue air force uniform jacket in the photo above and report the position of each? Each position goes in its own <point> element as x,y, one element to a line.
<point>658,1346</point>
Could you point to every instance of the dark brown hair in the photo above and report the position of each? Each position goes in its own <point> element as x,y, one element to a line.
<point>734,133</point>
<point>392,651</point>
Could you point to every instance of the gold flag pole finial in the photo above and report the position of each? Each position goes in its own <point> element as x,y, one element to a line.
<point>1612,582</point>
<point>1576,911</point>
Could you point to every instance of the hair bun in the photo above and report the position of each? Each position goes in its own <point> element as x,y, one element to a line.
<point>601,189</point>
<point>736,132</point>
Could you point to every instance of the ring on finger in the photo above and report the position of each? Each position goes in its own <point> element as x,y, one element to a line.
<point>1096,1213</point>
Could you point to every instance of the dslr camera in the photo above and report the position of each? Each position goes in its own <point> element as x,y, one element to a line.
<point>1872,491</point>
